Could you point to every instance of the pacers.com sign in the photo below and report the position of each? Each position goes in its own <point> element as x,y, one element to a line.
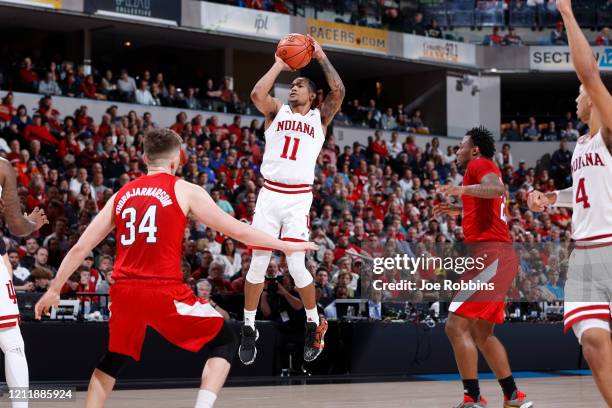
<point>559,58</point>
<point>349,36</point>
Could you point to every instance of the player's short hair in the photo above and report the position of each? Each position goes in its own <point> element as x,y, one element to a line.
<point>309,82</point>
<point>483,139</point>
<point>160,143</point>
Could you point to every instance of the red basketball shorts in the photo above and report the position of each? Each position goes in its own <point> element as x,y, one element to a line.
<point>171,309</point>
<point>486,300</point>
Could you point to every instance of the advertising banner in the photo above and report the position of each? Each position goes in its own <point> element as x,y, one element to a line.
<point>558,58</point>
<point>154,11</point>
<point>349,36</point>
<point>236,20</point>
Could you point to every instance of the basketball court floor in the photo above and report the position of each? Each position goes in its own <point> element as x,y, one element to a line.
<point>545,391</point>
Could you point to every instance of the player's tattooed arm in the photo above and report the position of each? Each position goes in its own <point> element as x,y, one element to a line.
<point>490,187</point>
<point>332,103</point>
<point>586,69</point>
<point>18,223</point>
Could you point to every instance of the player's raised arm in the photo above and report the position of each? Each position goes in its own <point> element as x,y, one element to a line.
<point>18,223</point>
<point>260,95</point>
<point>206,211</point>
<point>96,231</point>
<point>586,68</point>
<point>332,103</point>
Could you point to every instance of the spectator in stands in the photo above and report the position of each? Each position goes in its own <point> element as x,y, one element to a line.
<point>551,133</point>
<point>388,121</point>
<point>394,147</point>
<point>434,30</point>
<point>553,285</point>
<point>322,283</point>
<point>560,165</point>
<point>190,101</point>
<point>203,291</point>
<point>281,303</point>
<point>393,20</point>
<point>28,76</point>
<point>604,38</point>
<point>417,122</point>
<point>361,17</point>
<point>416,25</point>
<point>108,86</point>
<point>512,38</point>
<point>558,36</point>
<point>569,132</point>
<point>20,121</point>
<point>20,274</point>
<point>493,39</point>
<point>143,95</point>
<point>49,85</point>
<point>532,130</point>
<point>41,278</point>
<point>37,131</point>
<point>89,89</point>
<point>230,258</point>
<point>504,158</point>
<point>126,86</point>
<point>280,6</point>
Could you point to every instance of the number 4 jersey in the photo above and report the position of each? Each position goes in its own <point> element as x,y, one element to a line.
<point>150,227</point>
<point>592,183</point>
<point>293,143</point>
<point>9,311</point>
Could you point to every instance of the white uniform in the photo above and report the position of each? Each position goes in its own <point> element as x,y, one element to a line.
<point>588,290</point>
<point>293,144</point>
<point>9,312</point>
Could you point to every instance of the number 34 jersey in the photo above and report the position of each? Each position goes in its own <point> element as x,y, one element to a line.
<point>293,144</point>
<point>592,190</point>
<point>150,227</point>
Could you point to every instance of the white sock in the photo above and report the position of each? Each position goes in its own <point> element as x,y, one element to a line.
<point>249,317</point>
<point>206,399</point>
<point>16,371</point>
<point>312,315</point>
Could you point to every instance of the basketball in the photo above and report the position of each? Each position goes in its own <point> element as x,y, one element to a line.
<point>296,50</point>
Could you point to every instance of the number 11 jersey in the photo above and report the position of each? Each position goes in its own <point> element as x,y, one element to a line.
<point>293,144</point>
<point>150,227</point>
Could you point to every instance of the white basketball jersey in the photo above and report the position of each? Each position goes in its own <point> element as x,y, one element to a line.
<point>9,311</point>
<point>592,190</point>
<point>293,144</point>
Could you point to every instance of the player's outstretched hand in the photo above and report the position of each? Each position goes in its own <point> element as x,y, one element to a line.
<point>447,209</point>
<point>291,247</point>
<point>50,298</point>
<point>318,52</point>
<point>537,201</point>
<point>451,190</point>
<point>280,61</point>
<point>38,217</point>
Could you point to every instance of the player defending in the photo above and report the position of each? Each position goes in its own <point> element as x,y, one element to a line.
<point>11,341</point>
<point>589,197</point>
<point>294,137</point>
<point>470,324</point>
<point>150,215</point>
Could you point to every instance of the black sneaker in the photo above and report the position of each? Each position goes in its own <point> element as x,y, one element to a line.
<point>314,339</point>
<point>247,350</point>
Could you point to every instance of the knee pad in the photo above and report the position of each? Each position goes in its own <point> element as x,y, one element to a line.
<point>225,344</point>
<point>259,264</point>
<point>112,363</point>
<point>297,268</point>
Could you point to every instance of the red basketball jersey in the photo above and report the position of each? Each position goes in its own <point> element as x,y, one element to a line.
<point>484,219</point>
<point>150,227</point>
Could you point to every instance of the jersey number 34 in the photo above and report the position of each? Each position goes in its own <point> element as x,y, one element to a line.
<point>146,226</point>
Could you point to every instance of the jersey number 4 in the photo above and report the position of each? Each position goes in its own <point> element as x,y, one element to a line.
<point>296,145</point>
<point>581,195</point>
<point>147,225</point>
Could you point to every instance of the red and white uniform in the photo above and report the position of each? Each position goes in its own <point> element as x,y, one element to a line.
<point>9,311</point>
<point>293,144</point>
<point>488,237</point>
<point>588,290</point>
<point>149,290</point>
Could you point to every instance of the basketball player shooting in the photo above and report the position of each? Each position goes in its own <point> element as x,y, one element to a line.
<point>588,301</point>
<point>150,215</point>
<point>295,133</point>
<point>471,323</point>
<point>11,341</point>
